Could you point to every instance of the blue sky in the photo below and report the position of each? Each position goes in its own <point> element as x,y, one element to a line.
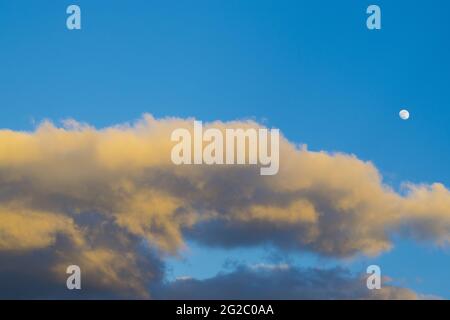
<point>310,68</point>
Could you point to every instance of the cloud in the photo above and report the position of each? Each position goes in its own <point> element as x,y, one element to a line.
<point>114,264</point>
<point>280,283</point>
<point>24,229</point>
<point>105,197</point>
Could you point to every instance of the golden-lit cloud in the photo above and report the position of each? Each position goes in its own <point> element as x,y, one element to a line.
<point>88,186</point>
<point>23,229</point>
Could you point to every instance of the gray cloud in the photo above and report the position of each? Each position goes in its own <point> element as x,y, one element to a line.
<point>265,282</point>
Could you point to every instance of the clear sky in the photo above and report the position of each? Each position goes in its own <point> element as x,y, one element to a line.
<point>310,68</point>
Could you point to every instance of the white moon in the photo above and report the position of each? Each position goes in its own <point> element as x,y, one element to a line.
<point>404,114</point>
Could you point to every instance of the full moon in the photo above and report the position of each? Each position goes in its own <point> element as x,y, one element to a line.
<point>404,114</point>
